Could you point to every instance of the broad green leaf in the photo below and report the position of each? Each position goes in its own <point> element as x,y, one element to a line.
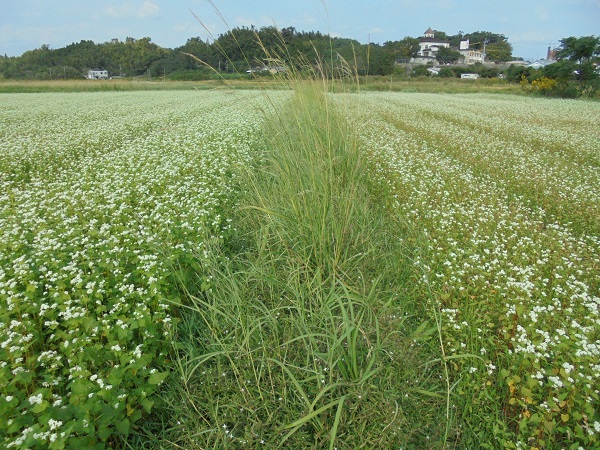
<point>157,377</point>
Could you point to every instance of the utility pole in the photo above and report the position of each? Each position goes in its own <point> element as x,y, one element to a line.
<point>485,42</point>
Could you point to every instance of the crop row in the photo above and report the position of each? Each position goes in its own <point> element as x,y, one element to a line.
<point>506,192</point>
<point>106,201</point>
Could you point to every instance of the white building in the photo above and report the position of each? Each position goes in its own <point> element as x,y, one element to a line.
<point>471,56</point>
<point>428,47</point>
<point>97,74</point>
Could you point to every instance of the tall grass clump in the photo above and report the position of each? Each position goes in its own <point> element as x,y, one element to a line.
<point>309,335</point>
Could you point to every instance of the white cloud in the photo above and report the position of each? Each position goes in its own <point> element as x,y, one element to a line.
<point>148,9</point>
<point>128,10</point>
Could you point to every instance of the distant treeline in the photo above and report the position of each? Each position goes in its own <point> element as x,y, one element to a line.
<point>236,51</point>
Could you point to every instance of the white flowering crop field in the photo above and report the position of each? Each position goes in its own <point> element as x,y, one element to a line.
<point>105,200</point>
<point>110,201</point>
<point>507,192</point>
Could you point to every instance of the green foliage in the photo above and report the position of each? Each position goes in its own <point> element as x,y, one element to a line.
<point>515,74</point>
<point>447,72</point>
<point>564,78</point>
<point>381,61</point>
<point>486,71</point>
<point>446,55</point>
<point>573,75</point>
<point>480,69</point>
<point>306,333</point>
<point>132,58</point>
<point>511,263</point>
<point>404,49</point>
<point>232,52</point>
<point>101,237</point>
<point>420,71</point>
<point>581,49</point>
<point>499,51</point>
<point>497,46</point>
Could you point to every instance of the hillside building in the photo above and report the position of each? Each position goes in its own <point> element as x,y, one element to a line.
<point>470,55</point>
<point>428,47</point>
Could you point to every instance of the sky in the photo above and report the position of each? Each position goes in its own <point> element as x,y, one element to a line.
<point>531,26</point>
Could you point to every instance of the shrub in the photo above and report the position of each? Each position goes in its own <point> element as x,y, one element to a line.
<point>420,71</point>
<point>189,75</point>
<point>544,86</point>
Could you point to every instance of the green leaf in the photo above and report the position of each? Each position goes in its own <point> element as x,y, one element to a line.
<point>147,404</point>
<point>526,392</point>
<point>428,393</point>
<point>157,377</point>
<point>336,423</point>
<point>40,407</point>
<point>421,332</point>
<point>548,425</point>
<point>104,432</point>
<point>137,414</point>
<point>123,426</point>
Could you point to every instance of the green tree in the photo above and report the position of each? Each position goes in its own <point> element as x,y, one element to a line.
<point>201,50</point>
<point>445,55</point>
<point>381,61</point>
<point>500,51</point>
<point>455,39</point>
<point>441,35</point>
<point>446,72</point>
<point>581,49</point>
<point>496,45</point>
<point>576,62</point>
<point>403,50</point>
<point>515,74</point>
<point>420,71</point>
<point>238,49</point>
<point>487,72</point>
